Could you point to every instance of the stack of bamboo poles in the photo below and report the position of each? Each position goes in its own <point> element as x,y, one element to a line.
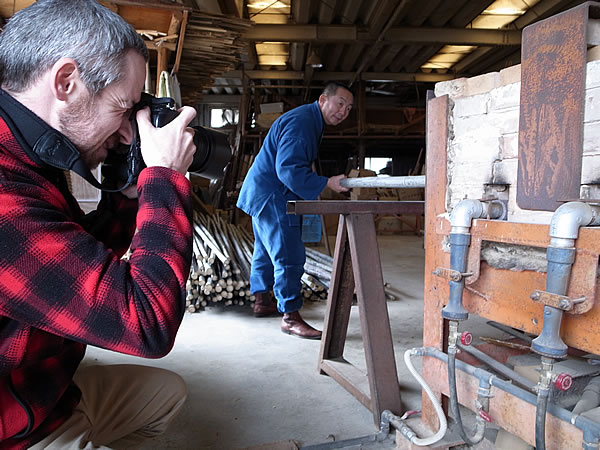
<point>220,270</point>
<point>317,276</point>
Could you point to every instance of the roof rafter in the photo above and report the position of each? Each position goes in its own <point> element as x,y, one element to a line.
<point>396,35</point>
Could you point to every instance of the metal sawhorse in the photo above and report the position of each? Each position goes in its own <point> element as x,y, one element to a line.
<point>356,265</point>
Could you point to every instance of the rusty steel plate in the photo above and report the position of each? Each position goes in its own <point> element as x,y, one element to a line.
<point>553,68</point>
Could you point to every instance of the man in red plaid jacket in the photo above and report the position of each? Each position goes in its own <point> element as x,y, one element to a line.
<point>71,71</point>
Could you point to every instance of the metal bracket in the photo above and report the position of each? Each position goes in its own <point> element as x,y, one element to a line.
<point>556,301</point>
<point>450,274</point>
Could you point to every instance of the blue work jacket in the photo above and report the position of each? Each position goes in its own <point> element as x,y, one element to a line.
<point>283,167</point>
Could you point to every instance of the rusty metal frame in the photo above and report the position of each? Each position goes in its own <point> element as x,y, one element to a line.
<point>357,266</point>
<point>498,294</point>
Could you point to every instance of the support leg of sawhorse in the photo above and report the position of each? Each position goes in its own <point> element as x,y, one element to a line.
<point>357,265</point>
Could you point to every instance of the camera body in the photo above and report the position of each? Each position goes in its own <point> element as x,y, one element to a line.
<point>212,155</point>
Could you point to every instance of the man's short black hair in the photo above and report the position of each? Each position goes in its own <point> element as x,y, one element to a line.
<point>332,87</point>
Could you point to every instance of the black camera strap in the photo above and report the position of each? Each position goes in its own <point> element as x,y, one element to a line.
<point>45,145</point>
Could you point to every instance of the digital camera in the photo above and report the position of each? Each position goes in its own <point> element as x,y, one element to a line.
<point>123,165</point>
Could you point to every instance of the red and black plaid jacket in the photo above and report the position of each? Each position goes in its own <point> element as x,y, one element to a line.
<point>62,287</point>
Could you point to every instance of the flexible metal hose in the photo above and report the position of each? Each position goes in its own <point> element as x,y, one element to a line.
<point>454,406</point>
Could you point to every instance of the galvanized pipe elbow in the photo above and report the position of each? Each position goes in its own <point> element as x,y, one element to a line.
<point>568,219</point>
<point>466,210</point>
<point>463,213</point>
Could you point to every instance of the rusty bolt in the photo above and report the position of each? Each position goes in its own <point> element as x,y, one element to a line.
<point>535,296</point>
<point>564,304</point>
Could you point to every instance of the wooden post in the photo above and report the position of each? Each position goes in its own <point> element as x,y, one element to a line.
<point>161,64</point>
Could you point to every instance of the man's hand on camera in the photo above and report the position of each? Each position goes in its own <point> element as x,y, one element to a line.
<point>171,146</point>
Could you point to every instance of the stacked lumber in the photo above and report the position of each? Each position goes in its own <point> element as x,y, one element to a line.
<point>212,46</point>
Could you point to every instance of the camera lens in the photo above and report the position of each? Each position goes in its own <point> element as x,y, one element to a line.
<point>213,152</point>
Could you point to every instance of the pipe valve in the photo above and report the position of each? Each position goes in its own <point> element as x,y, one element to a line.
<point>466,338</point>
<point>485,416</point>
<point>562,381</point>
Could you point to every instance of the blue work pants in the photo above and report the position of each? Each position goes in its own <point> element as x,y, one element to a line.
<point>278,258</point>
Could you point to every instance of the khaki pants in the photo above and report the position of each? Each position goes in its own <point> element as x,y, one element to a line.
<point>121,406</point>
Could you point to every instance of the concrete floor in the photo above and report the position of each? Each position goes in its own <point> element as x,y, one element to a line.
<point>250,384</point>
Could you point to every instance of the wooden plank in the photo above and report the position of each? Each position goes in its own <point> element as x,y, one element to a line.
<point>146,18</point>
<point>339,299</point>
<point>151,45</point>
<point>436,290</point>
<point>8,8</point>
<point>350,378</point>
<point>161,64</point>
<point>182,31</point>
<point>374,318</point>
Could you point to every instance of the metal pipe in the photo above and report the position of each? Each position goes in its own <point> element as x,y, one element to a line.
<point>459,244</point>
<point>417,181</point>
<point>454,406</point>
<point>568,218</point>
<point>511,331</point>
<point>466,210</point>
<point>564,230</point>
<point>460,220</point>
<point>590,428</point>
<point>590,398</point>
<point>543,392</point>
<point>460,238</point>
<point>503,369</point>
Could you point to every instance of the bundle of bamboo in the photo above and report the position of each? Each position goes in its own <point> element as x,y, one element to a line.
<point>222,255</point>
<point>220,270</point>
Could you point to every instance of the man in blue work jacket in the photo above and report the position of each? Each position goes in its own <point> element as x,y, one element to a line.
<point>282,171</point>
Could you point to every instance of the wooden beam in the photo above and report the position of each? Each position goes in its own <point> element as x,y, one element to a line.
<point>161,64</point>
<point>180,43</point>
<point>151,45</point>
<point>146,3</point>
<point>175,23</point>
<point>325,76</point>
<point>362,110</point>
<point>397,35</point>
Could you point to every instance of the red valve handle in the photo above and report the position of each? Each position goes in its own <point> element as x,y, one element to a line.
<point>485,416</point>
<point>563,381</point>
<point>466,338</point>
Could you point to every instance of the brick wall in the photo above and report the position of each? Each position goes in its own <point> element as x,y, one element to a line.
<point>483,139</point>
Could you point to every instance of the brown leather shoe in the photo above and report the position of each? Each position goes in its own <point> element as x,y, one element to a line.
<point>264,305</point>
<point>293,324</point>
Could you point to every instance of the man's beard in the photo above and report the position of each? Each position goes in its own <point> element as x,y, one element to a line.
<point>76,124</point>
